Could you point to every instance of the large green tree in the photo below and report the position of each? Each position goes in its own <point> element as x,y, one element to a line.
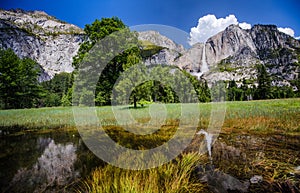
<point>19,86</point>
<point>133,86</point>
<point>95,32</point>
<point>99,53</point>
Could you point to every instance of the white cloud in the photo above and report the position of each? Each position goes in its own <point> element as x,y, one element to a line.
<point>298,38</point>
<point>245,25</point>
<point>287,31</point>
<point>209,25</point>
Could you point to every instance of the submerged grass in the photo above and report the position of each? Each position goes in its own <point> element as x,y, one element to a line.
<point>173,177</point>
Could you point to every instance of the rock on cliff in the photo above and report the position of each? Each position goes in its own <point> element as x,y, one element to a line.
<point>160,40</point>
<point>233,41</point>
<point>159,48</point>
<point>43,38</point>
<point>191,60</point>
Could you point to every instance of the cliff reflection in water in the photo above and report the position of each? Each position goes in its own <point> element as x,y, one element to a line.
<point>54,168</point>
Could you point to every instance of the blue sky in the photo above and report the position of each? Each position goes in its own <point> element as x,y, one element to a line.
<point>182,14</point>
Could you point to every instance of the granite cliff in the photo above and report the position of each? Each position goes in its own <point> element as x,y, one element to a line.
<point>234,53</point>
<point>43,38</point>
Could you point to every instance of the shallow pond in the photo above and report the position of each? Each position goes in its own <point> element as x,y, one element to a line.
<point>44,162</point>
<point>57,161</point>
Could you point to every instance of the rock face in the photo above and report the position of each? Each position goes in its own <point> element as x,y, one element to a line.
<point>169,51</point>
<point>233,41</point>
<point>50,42</point>
<point>160,40</point>
<point>234,53</point>
<point>191,60</point>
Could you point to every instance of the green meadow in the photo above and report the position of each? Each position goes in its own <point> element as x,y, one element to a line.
<point>277,116</point>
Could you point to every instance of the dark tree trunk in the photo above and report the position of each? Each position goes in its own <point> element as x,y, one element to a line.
<point>134,101</point>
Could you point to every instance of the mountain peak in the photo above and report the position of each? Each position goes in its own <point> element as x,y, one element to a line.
<point>264,26</point>
<point>22,11</point>
<point>233,26</point>
<point>38,22</point>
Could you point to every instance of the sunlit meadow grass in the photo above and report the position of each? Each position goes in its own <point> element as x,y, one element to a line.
<point>263,117</point>
<point>251,116</point>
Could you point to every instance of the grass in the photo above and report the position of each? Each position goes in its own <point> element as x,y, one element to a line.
<point>263,117</point>
<point>37,118</point>
<point>251,116</point>
<point>173,177</point>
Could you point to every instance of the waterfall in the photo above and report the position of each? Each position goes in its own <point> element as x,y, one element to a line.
<point>208,139</point>
<point>204,67</point>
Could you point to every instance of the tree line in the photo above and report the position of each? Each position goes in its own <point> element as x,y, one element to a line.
<point>263,90</point>
<point>20,88</point>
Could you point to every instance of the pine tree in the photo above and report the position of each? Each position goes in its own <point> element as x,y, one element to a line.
<point>263,90</point>
<point>19,86</point>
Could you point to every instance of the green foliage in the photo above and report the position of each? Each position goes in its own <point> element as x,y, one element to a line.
<point>86,98</point>
<point>102,59</point>
<point>19,86</point>
<point>218,92</point>
<point>113,70</point>
<point>263,90</point>
<point>159,83</point>
<point>225,65</point>
<point>101,98</point>
<point>149,49</point>
<point>247,90</point>
<point>101,28</point>
<point>234,93</point>
<point>297,84</point>
<point>57,88</point>
<point>144,102</point>
<point>66,99</point>
<point>51,100</point>
<point>95,32</point>
<point>133,85</point>
<point>283,92</point>
<point>200,87</point>
<point>145,90</point>
<point>226,68</point>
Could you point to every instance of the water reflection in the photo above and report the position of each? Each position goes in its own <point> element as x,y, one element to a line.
<point>54,168</point>
<point>43,142</point>
<point>53,161</point>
